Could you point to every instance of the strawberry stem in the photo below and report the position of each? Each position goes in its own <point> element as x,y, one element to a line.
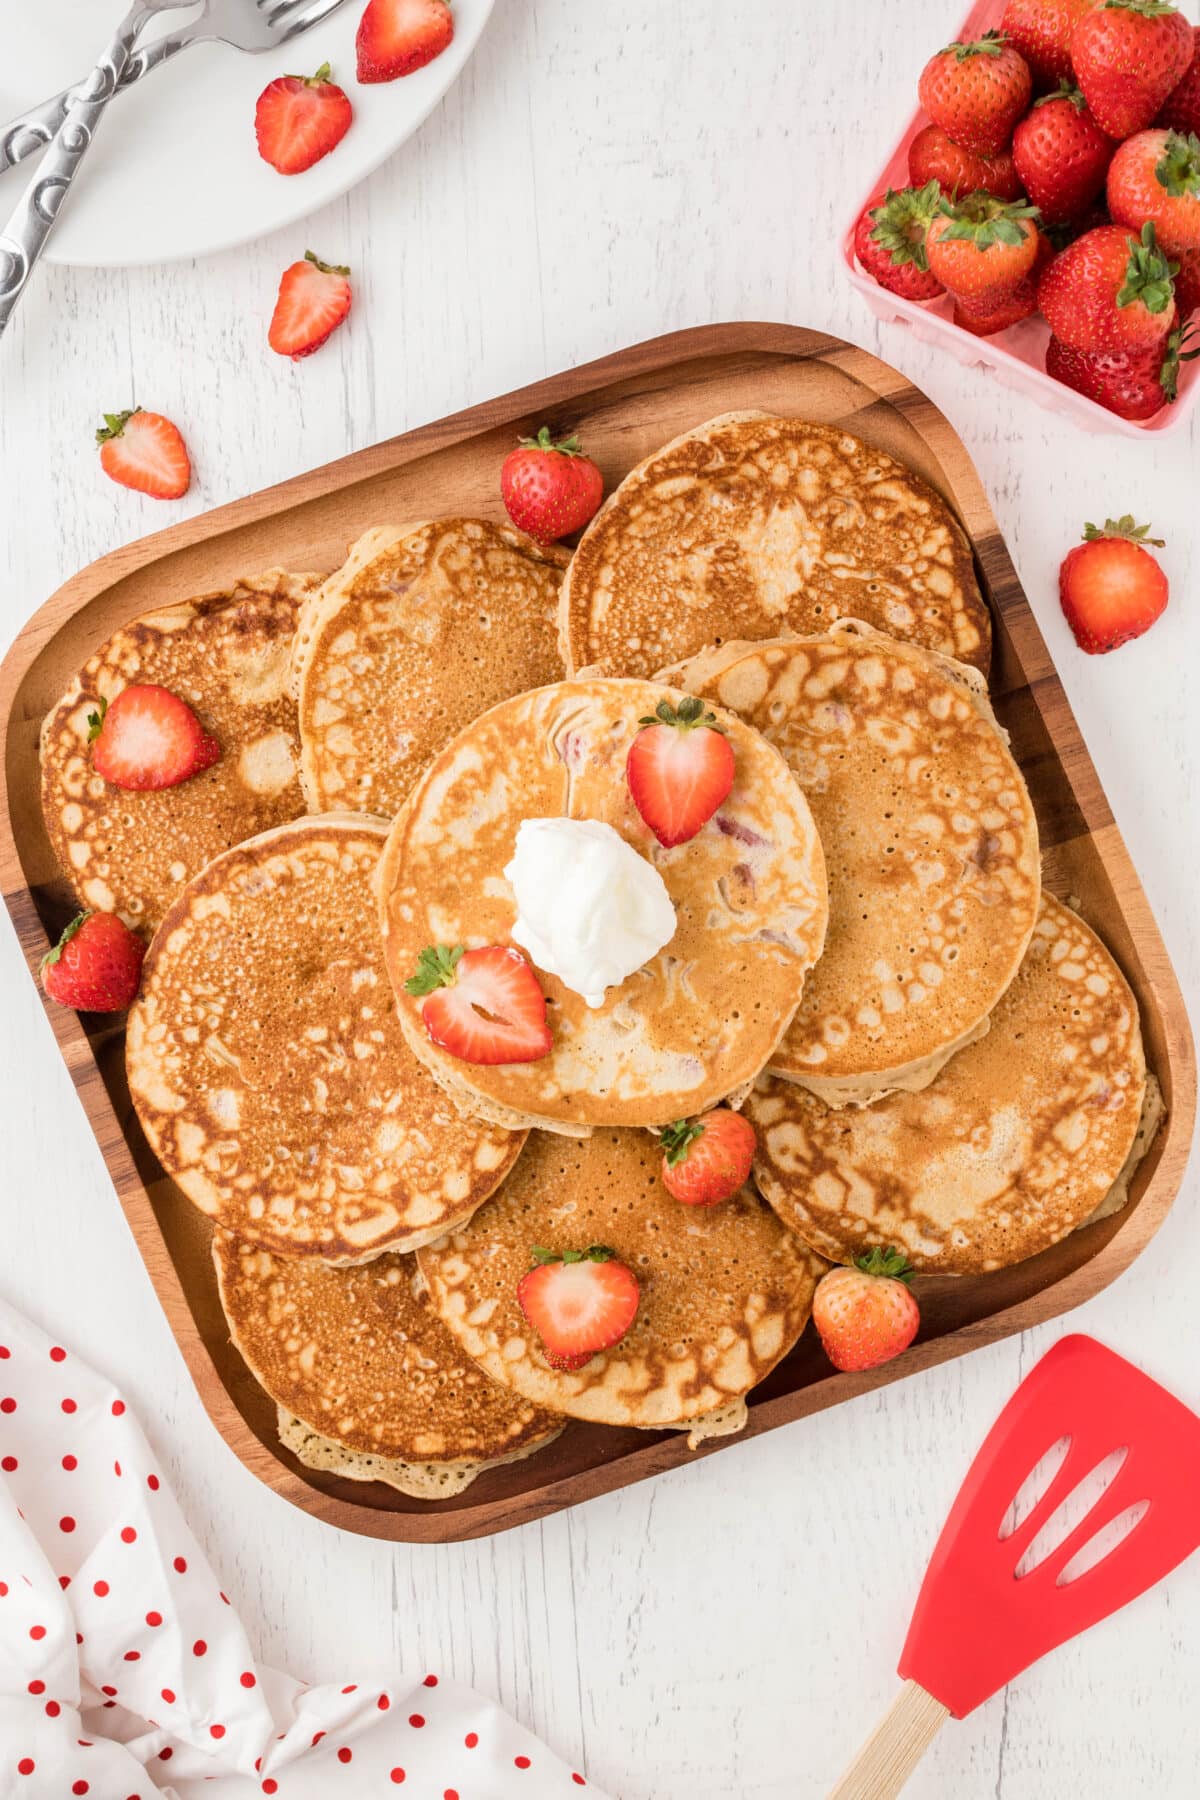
<point>902,222</point>
<point>1124,527</point>
<point>568,446</point>
<point>1178,170</point>
<point>594,1253</point>
<point>114,424</point>
<point>326,268</point>
<point>984,220</point>
<point>1149,277</point>
<point>435,968</point>
<point>77,924</point>
<point>1149,9</point>
<point>678,1138</point>
<point>96,720</point>
<point>690,714</point>
<point>892,1263</point>
<point>990,44</point>
<point>1066,90</point>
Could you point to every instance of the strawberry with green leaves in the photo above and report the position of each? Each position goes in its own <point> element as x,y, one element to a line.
<point>579,1302</point>
<point>1134,384</point>
<point>1062,156</point>
<point>1110,586</point>
<point>933,156</point>
<point>550,489</point>
<point>1110,291</point>
<point>981,249</point>
<point>865,1314</point>
<point>482,1006</point>
<point>1155,176</point>
<point>96,965</point>
<point>889,240</point>
<point>707,1160</point>
<point>1127,56</point>
<point>977,91</point>
<point>679,769</point>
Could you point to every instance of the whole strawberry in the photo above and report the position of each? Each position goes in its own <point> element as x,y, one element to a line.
<point>1041,31</point>
<point>982,248</point>
<point>549,489</point>
<point>1109,291</point>
<point>1062,156</point>
<point>977,91</point>
<point>1156,175</point>
<point>865,1314</point>
<point>96,965</point>
<point>707,1160</point>
<point>1110,586</point>
<point>932,156</point>
<point>1128,55</point>
<point>1133,384</point>
<point>1181,108</point>
<point>889,241</point>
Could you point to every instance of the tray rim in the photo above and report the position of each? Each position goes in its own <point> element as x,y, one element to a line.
<point>664,352</point>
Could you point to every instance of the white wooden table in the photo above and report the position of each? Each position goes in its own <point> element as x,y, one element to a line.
<point>600,175</point>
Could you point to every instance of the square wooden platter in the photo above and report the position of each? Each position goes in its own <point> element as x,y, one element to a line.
<point>625,406</point>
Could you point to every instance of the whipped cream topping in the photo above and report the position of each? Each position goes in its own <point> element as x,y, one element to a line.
<point>589,908</point>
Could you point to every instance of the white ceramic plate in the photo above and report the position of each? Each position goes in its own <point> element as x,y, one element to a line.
<point>174,171</point>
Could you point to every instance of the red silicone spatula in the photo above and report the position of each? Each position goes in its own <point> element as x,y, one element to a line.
<point>979,1619</point>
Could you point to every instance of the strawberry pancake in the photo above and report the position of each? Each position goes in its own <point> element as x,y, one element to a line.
<point>1021,1138</point>
<point>368,1383</point>
<point>424,626</point>
<point>752,526</point>
<point>130,814</point>
<point>582,1245</point>
<point>599,906</point>
<point>267,1067</point>
<point>930,841</point>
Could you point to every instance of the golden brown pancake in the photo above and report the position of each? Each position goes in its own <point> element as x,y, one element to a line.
<point>701,1019</point>
<point>1017,1142</point>
<point>359,1360</point>
<point>423,628</point>
<point>930,841</point>
<point>753,527</point>
<point>725,1290</point>
<point>228,655</point>
<point>267,1067</point>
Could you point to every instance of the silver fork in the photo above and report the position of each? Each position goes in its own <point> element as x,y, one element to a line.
<point>31,224</point>
<point>246,24</point>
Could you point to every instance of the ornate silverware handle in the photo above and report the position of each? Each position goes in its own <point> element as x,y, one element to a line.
<point>32,222</point>
<point>32,130</point>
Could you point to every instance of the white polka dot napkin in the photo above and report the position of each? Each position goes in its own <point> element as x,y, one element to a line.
<point>125,1673</point>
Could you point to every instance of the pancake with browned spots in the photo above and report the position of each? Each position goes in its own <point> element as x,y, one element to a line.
<point>269,1072</point>
<point>1019,1140</point>
<point>725,1290</point>
<point>703,1016</point>
<point>228,654</point>
<point>368,1381</point>
<point>423,628</point>
<point>930,842</point>
<point>751,526</point>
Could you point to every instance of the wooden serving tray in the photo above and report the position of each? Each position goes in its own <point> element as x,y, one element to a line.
<point>625,406</point>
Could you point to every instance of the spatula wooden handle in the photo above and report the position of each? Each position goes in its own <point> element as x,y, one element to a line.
<point>895,1747</point>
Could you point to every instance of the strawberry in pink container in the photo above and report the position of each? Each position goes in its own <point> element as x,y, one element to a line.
<point>934,156</point>
<point>889,241</point>
<point>983,250</point>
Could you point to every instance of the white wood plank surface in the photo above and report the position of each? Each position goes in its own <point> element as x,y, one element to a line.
<point>602,174</point>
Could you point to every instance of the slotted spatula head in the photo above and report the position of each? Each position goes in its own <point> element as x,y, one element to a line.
<point>977,1623</point>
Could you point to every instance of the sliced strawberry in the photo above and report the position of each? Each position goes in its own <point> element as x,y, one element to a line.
<point>299,119</point>
<point>144,451</point>
<point>707,1160</point>
<point>483,1006</point>
<point>1110,586</point>
<point>149,738</point>
<point>95,966</point>
<point>314,297</point>
<point>579,1303</point>
<point>397,36</point>
<point>679,770</point>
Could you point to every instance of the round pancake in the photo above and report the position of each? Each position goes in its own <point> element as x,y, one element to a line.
<point>725,1290</point>
<point>424,627</point>
<point>358,1357</point>
<point>930,841</point>
<point>698,1021</point>
<point>752,527</point>
<point>1017,1142</point>
<point>228,654</point>
<point>267,1067</point>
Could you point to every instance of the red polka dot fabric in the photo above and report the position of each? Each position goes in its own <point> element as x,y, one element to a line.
<point>126,1672</point>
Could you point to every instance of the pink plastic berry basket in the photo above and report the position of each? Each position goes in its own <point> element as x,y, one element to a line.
<point>1017,356</point>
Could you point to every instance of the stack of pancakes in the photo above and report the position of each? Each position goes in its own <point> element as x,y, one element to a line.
<point>936,1054</point>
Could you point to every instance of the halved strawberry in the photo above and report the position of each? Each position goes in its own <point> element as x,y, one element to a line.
<point>483,1006</point>
<point>144,451</point>
<point>1110,586</point>
<point>149,738</point>
<point>679,769</point>
<point>298,119</point>
<point>96,965</point>
<point>397,36</point>
<point>314,297</point>
<point>579,1302</point>
<point>707,1160</point>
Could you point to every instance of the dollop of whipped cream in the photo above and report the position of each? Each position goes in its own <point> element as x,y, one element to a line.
<point>589,908</point>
